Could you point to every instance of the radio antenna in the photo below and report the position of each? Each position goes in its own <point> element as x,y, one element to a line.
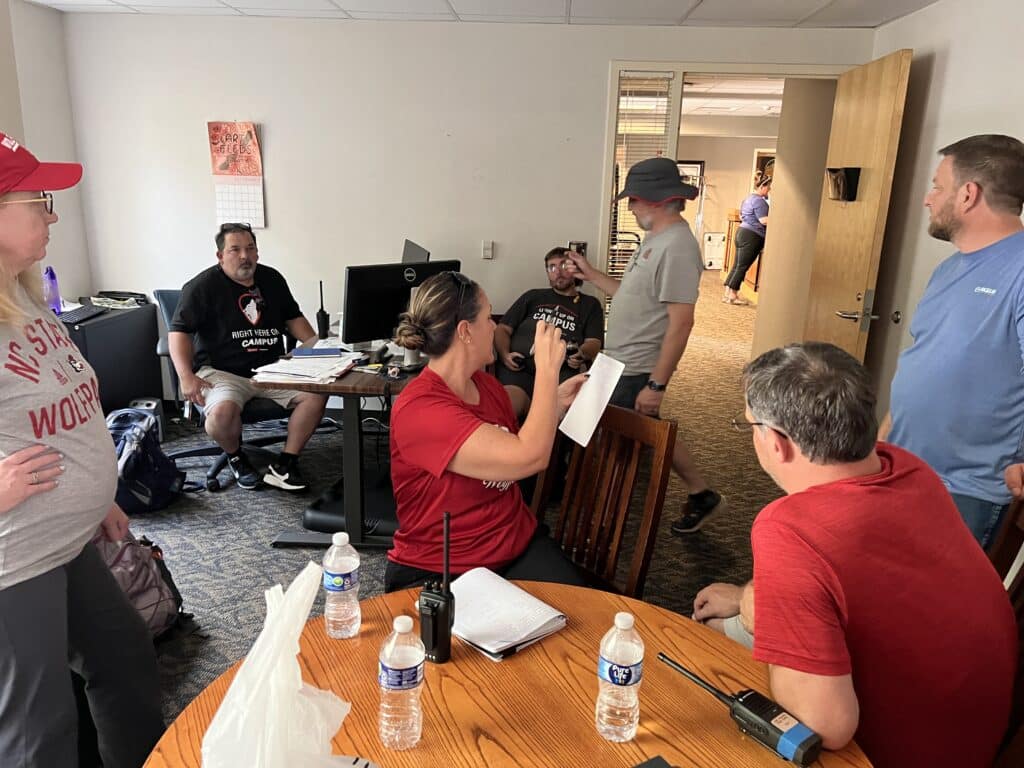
<point>445,576</point>
<point>722,697</point>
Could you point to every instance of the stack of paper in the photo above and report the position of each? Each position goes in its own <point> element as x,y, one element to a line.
<point>498,618</point>
<point>317,370</point>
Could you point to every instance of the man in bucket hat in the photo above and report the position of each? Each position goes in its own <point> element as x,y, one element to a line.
<point>652,311</point>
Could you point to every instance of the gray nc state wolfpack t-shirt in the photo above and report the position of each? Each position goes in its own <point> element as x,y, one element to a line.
<point>665,269</point>
<point>50,397</point>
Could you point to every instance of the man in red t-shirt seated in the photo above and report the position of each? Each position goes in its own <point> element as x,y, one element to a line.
<point>879,616</point>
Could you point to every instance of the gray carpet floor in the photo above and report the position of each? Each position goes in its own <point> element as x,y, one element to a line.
<point>217,545</point>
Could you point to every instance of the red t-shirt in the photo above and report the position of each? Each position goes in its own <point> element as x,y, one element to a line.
<point>490,524</point>
<point>879,577</point>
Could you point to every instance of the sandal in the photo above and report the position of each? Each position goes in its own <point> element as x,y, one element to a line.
<point>737,301</point>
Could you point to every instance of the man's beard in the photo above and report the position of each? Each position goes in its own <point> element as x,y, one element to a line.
<point>944,225</point>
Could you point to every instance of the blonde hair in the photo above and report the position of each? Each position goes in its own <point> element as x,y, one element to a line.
<point>435,311</point>
<point>31,281</point>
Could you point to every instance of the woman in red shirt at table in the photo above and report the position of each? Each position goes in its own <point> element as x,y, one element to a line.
<point>457,447</point>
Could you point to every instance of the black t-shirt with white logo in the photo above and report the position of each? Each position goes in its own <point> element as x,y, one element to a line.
<point>235,328</point>
<point>579,317</point>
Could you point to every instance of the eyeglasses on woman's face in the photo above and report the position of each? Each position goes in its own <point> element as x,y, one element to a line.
<point>44,197</point>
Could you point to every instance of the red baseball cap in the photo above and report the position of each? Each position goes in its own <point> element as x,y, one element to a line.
<point>20,171</point>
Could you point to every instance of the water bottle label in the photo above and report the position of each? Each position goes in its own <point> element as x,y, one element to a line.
<point>341,582</point>
<point>619,675</point>
<point>399,679</point>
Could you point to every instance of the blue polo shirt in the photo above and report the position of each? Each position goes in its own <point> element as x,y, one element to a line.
<point>957,399</point>
<point>752,210</point>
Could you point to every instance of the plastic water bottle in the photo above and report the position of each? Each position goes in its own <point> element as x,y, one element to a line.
<point>620,669</point>
<point>341,588</point>
<point>51,291</point>
<point>400,674</point>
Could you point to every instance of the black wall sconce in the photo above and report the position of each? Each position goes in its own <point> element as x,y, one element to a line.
<point>842,183</point>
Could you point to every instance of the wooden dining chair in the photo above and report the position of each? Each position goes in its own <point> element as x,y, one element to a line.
<point>1003,554</point>
<point>595,505</point>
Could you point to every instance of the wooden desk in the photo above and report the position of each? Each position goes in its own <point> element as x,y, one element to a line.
<point>533,709</point>
<point>350,515</point>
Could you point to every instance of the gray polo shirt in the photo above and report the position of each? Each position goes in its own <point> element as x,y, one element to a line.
<point>50,397</point>
<point>665,269</point>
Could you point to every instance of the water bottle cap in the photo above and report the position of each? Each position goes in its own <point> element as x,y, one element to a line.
<point>402,624</point>
<point>623,620</point>
<point>340,539</point>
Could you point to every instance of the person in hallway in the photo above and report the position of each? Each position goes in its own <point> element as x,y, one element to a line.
<point>579,317</point>
<point>749,239</point>
<point>237,312</point>
<point>879,616</point>
<point>652,312</point>
<point>967,353</point>
<point>456,445</point>
<point>61,610</point>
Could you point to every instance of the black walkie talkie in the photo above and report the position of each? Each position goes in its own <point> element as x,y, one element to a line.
<point>323,320</point>
<point>763,720</point>
<point>437,611</point>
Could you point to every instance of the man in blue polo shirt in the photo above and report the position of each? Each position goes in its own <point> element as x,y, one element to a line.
<point>957,399</point>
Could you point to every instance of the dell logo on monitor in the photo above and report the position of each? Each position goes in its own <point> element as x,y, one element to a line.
<point>409,274</point>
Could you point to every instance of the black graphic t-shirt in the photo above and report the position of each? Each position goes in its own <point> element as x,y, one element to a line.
<point>579,317</point>
<point>236,329</point>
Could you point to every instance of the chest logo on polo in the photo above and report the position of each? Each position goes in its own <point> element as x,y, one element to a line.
<point>249,303</point>
<point>986,291</point>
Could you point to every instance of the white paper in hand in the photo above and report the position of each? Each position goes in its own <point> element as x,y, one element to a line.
<point>584,413</point>
<point>269,717</point>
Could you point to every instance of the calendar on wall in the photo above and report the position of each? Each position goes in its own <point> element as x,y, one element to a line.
<point>237,173</point>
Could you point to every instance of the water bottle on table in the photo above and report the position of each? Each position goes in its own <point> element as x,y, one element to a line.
<point>620,670</point>
<point>341,588</point>
<point>400,674</point>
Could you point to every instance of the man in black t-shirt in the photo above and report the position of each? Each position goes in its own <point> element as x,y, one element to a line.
<point>578,315</point>
<point>231,319</point>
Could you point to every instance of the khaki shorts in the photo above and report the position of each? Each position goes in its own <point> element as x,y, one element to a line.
<point>227,387</point>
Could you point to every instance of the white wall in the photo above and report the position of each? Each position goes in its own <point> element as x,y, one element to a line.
<point>372,132</point>
<point>728,163</point>
<point>10,102</point>
<point>49,132</point>
<point>965,79</point>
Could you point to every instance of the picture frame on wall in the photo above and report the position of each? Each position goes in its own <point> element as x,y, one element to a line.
<point>691,172</point>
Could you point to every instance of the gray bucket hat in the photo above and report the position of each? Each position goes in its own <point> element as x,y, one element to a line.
<point>656,180</point>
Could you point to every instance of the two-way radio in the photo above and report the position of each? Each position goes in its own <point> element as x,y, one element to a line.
<point>762,719</point>
<point>323,320</point>
<point>437,611</point>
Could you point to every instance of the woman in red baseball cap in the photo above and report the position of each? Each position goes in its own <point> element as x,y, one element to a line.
<point>59,604</point>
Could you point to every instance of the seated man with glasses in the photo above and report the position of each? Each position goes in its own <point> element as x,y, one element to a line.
<point>237,312</point>
<point>879,616</point>
<point>562,306</point>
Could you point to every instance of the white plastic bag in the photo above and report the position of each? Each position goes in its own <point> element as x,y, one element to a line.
<point>269,718</point>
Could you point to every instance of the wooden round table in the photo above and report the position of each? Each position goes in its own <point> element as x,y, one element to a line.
<point>533,709</point>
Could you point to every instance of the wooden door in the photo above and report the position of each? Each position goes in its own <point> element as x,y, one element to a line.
<point>866,121</point>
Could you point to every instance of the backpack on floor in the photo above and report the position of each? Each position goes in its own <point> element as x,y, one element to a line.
<point>138,565</point>
<point>147,480</point>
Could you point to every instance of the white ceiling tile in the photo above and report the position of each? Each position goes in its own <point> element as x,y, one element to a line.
<point>92,8</point>
<point>752,13</point>
<point>503,8</point>
<point>395,6</point>
<point>385,16</point>
<point>174,4</point>
<point>280,5</point>
<point>628,22</point>
<point>290,13</point>
<point>186,11</point>
<point>638,11</point>
<point>863,13</point>
<point>477,17</point>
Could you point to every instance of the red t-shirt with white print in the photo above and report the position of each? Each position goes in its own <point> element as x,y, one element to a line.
<point>490,524</point>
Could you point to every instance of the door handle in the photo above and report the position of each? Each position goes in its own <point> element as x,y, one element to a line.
<point>854,315</point>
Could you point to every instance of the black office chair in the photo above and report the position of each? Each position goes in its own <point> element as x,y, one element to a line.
<point>259,409</point>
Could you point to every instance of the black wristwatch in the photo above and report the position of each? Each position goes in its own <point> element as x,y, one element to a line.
<point>652,384</point>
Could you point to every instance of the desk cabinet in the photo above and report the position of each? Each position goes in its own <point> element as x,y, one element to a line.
<point>120,345</point>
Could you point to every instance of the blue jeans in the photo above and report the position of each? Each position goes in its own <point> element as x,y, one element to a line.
<point>982,517</point>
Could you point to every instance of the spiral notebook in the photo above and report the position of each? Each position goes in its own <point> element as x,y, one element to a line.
<point>498,618</point>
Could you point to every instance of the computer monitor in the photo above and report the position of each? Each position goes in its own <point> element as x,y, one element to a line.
<point>414,254</point>
<point>376,294</point>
